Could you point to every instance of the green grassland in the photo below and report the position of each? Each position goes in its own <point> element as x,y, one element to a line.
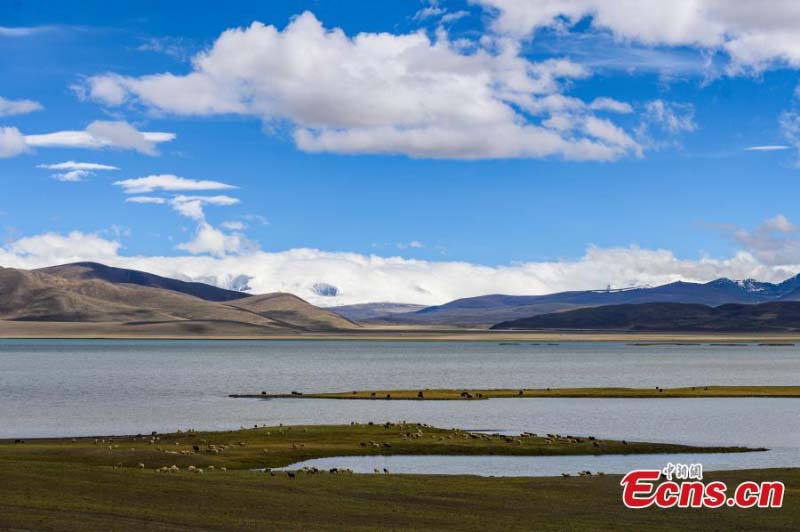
<point>281,446</point>
<point>64,495</point>
<point>467,394</point>
<point>116,483</point>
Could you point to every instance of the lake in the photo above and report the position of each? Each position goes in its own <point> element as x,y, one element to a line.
<point>99,387</point>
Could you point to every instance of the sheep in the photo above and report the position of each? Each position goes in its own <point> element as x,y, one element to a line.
<point>385,471</point>
<point>291,475</point>
<point>420,395</point>
<point>140,465</point>
<point>565,475</point>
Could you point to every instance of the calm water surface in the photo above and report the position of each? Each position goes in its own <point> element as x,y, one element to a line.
<point>85,387</point>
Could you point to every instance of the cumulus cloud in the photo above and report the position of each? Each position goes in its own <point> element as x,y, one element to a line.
<point>55,248</point>
<point>774,242</point>
<point>754,35</point>
<point>12,142</point>
<point>769,252</point>
<point>211,240</point>
<point>192,206</point>
<point>168,182</point>
<point>76,171</point>
<point>375,93</point>
<point>18,107</point>
<point>99,134</point>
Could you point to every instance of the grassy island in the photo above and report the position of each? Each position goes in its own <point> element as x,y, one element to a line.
<point>469,394</point>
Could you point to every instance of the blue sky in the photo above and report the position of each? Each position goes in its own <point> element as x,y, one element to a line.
<point>441,148</point>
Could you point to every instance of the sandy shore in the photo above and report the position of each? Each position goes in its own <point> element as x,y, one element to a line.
<point>233,331</point>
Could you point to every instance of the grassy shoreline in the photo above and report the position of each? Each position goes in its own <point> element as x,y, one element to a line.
<point>476,394</point>
<point>284,445</point>
<point>113,484</point>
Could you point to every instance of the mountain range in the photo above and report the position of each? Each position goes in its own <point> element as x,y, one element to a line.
<point>778,316</point>
<point>143,302</point>
<point>485,311</point>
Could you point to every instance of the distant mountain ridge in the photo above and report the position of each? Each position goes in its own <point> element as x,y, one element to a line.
<point>776,316</point>
<point>367,311</point>
<point>483,311</point>
<point>94,270</point>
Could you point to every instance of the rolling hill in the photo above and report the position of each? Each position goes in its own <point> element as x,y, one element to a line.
<point>94,270</point>
<point>668,317</point>
<point>484,311</point>
<point>290,309</point>
<point>97,294</point>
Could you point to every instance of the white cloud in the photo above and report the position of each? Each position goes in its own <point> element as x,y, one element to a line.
<point>12,142</point>
<point>76,171</point>
<point>168,182</point>
<point>55,248</point>
<point>770,252</point>
<point>211,240</point>
<point>774,147</point>
<point>192,206</point>
<point>414,244</point>
<point>234,225</point>
<point>24,31</point>
<point>145,199</point>
<point>754,35</point>
<point>663,122</point>
<point>18,107</point>
<point>773,242</point>
<point>101,134</point>
<point>611,105</point>
<point>672,116</point>
<point>374,93</point>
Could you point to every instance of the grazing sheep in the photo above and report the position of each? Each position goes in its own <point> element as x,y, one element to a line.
<point>376,470</point>
<point>385,471</point>
<point>140,465</point>
<point>420,395</point>
<point>565,475</point>
<point>291,475</point>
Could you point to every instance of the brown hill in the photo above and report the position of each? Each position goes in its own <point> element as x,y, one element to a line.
<point>70,296</point>
<point>101,272</point>
<point>37,296</point>
<point>292,310</point>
